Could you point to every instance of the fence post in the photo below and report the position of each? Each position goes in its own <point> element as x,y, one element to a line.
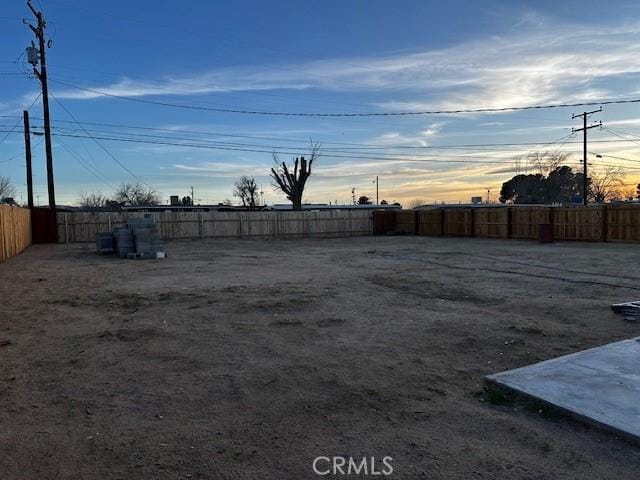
<point>201,224</point>
<point>473,222</point>
<point>509,220</point>
<point>276,225</point>
<point>240,224</point>
<point>604,222</point>
<point>442,221</point>
<point>66,227</point>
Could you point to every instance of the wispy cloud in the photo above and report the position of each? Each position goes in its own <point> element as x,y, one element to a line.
<point>550,63</point>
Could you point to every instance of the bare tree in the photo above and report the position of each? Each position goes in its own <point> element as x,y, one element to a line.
<point>416,202</point>
<point>246,190</point>
<point>135,194</point>
<point>626,194</point>
<point>6,189</point>
<point>606,185</point>
<point>547,162</point>
<point>292,183</point>
<point>93,200</point>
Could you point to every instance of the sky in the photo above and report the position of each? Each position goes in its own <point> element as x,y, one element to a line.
<point>318,57</point>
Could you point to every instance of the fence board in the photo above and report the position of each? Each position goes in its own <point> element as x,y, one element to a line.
<point>15,231</point>
<point>578,223</point>
<point>458,222</point>
<point>430,222</point>
<point>406,221</point>
<point>83,226</point>
<point>491,222</point>
<point>525,221</point>
<point>623,223</point>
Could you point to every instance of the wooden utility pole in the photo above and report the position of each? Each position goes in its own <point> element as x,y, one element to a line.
<point>35,57</point>
<point>27,153</point>
<point>585,181</point>
<point>377,196</point>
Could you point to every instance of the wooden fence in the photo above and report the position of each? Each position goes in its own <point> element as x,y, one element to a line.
<point>83,226</point>
<point>15,231</point>
<point>596,223</point>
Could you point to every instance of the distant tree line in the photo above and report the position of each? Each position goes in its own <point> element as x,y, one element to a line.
<point>554,182</point>
<point>7,191</point>
<point>126,195</point>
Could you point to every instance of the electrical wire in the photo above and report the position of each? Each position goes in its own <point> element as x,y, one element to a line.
<point>103,148</point>
<point>465,159</point>
<point>19,120</point>
<point>274,147</point>
<point>350,114</point>
<point>88,167</point>
<point>289,140</point>
<point>301,141</point>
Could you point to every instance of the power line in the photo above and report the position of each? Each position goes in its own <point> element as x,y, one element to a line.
<point>87,166</point>
<point>620,136</point>
<point>616,157</point>
<point>19,120</point>
<point>435,159</point>
<point>124,167</point>
<point>7,160</point>
<point>270,151</point>
<point>274,147</point>
<point>397,158</point>
<point>305,141</point>
<point>345,114</point>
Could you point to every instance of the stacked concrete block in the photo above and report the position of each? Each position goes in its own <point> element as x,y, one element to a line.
<point>123,241</point>
<point>104,243</point>
<point>146,238</point>
<point>147,242</point>
<point>138,239</point>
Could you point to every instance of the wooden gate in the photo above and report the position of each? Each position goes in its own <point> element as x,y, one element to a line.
<point>384,222</point>
<point>44,225</point>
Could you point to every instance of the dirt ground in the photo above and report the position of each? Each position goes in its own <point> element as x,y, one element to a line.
<point>248,359</point>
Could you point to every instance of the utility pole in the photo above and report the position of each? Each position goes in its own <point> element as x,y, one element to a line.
<point>353,195</point>
<point>27,153</point>
<point>377,194</point>
<point>192,198</point>
<point>36,56</point>
<point>584,115</point>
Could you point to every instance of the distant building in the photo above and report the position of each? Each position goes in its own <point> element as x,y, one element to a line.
<point>324,206</point>
<point>181,207</point>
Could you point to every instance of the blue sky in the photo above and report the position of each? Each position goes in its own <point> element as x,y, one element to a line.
<point>319,56</point>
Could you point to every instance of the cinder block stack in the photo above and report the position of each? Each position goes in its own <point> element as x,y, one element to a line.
<point>139,239</point>
<point>123,241</point>
<point>104,243</point>
<point>629,310</point>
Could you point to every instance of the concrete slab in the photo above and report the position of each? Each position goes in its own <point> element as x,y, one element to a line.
<point>600,385</point>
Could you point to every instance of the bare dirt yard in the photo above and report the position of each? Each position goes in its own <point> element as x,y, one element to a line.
<point>248,359</point>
